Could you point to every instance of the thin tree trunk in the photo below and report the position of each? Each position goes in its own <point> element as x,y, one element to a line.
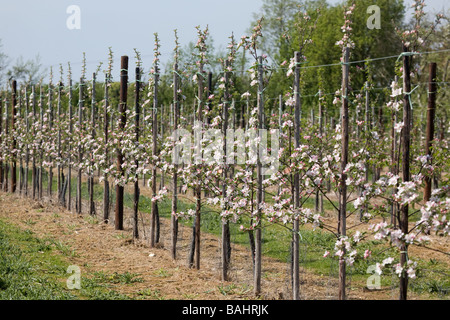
<point>198,190</point>
<point>105,130</point>
<point>192,247</point>
<point>34,169</point>
<point>14,142</point>
<point>258,230</point>
<point>27,152</point>
<point>41,158</point>
<point>1,134</point>
<point>225,224</point>
<point>91,171</point>
<point>344,160</point>
<point>295,233</point>
<point>154,214</point>
<point>431,111</point>
<point>162,182</point>
<point>6,130</point>
<point>319,195</point>
<point>406,170</point>
<point>174,219</point>
<point>50,124</point>
<point>70,145</point>
<point>60,168</point>
<point>394,166</point>
<point>80,154</point>
<point>137,108</point>
<point>19,155</point>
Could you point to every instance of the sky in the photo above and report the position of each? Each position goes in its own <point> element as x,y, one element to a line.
<point>30,27</point>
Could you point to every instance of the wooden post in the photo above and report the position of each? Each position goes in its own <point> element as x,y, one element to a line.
<point>431,111</point>
<point>405,169</point>
<point>174,219</point>
<point>295,231</point>
<point>14,142</point>
<point>137,107</point>
<point>225,224</point>
<point>80,154</point>
<point>198,189</point>
<point>258,231</point>
<point>344,160</point>
<point>120,158</point>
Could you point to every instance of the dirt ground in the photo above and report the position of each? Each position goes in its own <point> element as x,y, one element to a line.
<point>99,247</point>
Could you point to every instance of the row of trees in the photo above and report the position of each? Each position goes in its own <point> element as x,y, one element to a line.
<point>327,160</point>
<point>29,71</point>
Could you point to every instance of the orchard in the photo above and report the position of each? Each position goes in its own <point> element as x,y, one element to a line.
<point>259,148</point>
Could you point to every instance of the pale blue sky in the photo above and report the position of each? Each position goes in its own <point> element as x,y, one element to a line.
<point>31,27</point>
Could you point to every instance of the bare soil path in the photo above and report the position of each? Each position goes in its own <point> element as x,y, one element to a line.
<point>98,247</point>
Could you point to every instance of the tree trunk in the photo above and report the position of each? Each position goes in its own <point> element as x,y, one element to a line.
<point>154,214</point>
<point>105,130</point>
<point>59,167</point>
<point>80,154</point>
<point>258,230</point>
<point>69,169</point>
<point>118,221</point>
<point>91,172</point>
<point>431,111</point>
<point>14,142</point>
<point>1,133</point>
<point>406,169</point>
<point>174,219</point>
<point>225,224</point>
<point>295,233</point>
<point>137,108</point>
<point>344,160</point>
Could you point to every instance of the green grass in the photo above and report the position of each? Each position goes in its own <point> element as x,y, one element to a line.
<point>151,294</point>
<point>36,269</point>
<point>277,244</point>
<point>433,278</point>
<point>28,267</point>
<point>116,278</point>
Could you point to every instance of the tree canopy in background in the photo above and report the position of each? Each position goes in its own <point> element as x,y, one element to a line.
<point>284,31</point>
